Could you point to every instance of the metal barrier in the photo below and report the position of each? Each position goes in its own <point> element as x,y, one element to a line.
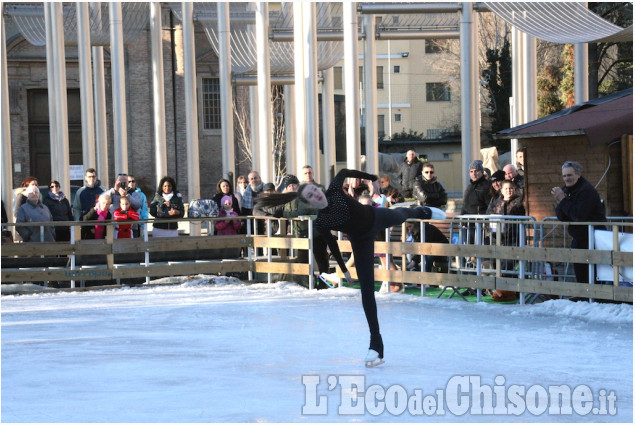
<point>554,234</point>
<point>513,267</point>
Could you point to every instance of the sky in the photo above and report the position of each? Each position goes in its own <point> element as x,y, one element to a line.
<point>215,349</point>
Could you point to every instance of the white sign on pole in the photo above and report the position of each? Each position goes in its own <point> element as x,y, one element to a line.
<point>77,172</point>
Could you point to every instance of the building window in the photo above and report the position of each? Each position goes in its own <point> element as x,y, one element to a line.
<point>396,69</point>
<point>381,126</point>
<point>437,92</point>
<point>397,117</point>
<point>380,77</point>
<point>210,91</point>
<point>337,78</point>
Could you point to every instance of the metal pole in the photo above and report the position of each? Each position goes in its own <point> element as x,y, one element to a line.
<point>61,115</point>
<point>328,124</point>
<point>101,130</point>
<point>299,115</point>
<point>370,95</point>
<point>7,159</point>
<point>529,81</point>
<point>310,72</point>
<point>224,73</point>
<point>351,85</point>
<point>191,110</point>
<point>467,99</point>
<point>581,72</point>
<point>119,114</point>
<point>160,144</point>
<point>253,124</point>
<point>289,130</point>
<point>86,85</point>
<point>265,125</point>
<point>51,86</point>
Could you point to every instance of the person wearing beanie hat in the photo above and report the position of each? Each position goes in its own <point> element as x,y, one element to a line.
<point>269,187</point>
<point>227,227</point>
<point>477,164</point>
<point>477,196</point>
<point>498,176</point>
<point>290,179</point>
<point>495,190</point>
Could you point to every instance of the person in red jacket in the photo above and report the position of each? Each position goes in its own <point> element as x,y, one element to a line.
<point>125,213</point>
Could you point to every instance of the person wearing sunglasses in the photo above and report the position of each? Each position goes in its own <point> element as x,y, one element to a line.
<point>427,190</point>
<point>61,210</point>
<point>120,189</point>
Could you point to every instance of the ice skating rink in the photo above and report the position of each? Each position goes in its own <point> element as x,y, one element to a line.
<point>219,350</point>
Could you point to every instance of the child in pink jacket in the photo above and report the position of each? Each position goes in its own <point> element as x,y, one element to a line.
<point>227,227</point>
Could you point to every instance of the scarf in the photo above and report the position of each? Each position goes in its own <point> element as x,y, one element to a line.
<point>100,230</point>
<point>59,197</point>
<point>168,196</point>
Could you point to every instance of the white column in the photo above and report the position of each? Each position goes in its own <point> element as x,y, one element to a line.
<point>61,116</point>
<point>475,125</point>
<point>581,72</point>
<point>370,96</point>
<point>158,94</point>
<point>51,86</point>
<point>351,85</point>
<point>7,159</point>
<point>99,89</point>
<point>289,130</point>
<point>517,111</point>
<point>225,73</point>
<point>300,113</point>
<point>253,124</point>
<point>311,77</point>
<point>328,124</point>
<point>468,101</point>
<point>119,117</point>
<point>529,81</point>
<point>191,109</point>
<point>86,85</point>
<point>265,124</point>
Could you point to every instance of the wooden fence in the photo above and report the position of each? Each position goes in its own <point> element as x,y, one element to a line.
<point>113,261</point>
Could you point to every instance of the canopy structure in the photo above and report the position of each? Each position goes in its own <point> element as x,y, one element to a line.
<point>559,22</point>
<point>30,20</point>
<point>243,37</point>
<point>601,120</point>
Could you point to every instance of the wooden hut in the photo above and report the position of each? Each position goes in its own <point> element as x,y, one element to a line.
<point>598,134</point>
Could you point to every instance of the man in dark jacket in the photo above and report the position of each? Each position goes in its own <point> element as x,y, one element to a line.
<point>578,201</point>
<point>476,196</point>
<point>409,170</point>
<point>86,196</point>
<point>427,190</point>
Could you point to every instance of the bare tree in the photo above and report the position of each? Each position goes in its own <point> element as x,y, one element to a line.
<point>243,134</point>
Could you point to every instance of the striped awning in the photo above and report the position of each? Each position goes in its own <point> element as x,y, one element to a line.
<point>559,22</point>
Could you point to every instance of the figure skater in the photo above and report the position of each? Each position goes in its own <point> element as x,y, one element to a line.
<point>340,212</point>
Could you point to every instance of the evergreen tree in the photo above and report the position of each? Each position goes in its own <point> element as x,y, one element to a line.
<point>548,83</point>
<point>567,85</point>
<point>497,79</point>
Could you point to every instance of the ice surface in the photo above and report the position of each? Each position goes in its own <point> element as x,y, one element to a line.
<point>213,349</point>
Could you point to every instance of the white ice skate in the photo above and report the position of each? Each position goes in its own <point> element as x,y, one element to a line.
<point>372,359</point>
<point>385,287</point>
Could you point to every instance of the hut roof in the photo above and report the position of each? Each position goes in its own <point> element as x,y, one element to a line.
<point>601,120</point>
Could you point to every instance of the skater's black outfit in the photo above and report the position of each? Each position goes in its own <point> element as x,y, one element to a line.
<point>361,223</point>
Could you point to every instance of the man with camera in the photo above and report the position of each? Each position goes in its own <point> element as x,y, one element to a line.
<point>122,189</point>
